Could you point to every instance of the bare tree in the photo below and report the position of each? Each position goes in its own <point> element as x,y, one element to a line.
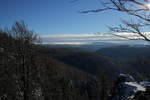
<point>139,9</point>
<point>24,54</point>
<point>21,32</point>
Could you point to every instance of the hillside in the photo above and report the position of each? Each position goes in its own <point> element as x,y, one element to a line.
<point>136,60</point>
<point>32,72</point>
<point>86,61</point>
<point>125,52</point>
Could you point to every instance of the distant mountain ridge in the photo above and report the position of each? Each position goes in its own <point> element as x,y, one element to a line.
<point>126,52</point>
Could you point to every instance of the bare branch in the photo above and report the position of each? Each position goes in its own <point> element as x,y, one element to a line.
<point>128,38</point>
<point>131,27</point>
<point>94,11</point>
<point>139,10</point>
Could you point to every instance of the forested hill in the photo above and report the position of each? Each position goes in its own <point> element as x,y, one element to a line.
<point>85,61</point>
<point>29,72</point>
<point>125,52</point>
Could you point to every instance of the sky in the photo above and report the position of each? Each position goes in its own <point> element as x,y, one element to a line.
<point>58,16</point>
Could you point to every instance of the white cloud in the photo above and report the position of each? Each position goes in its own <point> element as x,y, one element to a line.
<point>87,38</point>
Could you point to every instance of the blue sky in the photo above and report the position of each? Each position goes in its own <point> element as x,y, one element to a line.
<point>57,16</point>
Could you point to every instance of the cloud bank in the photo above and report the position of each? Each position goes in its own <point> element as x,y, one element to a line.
<point>83,39</point>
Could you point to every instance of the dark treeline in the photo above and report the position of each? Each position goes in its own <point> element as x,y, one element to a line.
<point>28,72</point>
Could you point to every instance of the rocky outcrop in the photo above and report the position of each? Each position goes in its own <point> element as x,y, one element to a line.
<point>126,88</point>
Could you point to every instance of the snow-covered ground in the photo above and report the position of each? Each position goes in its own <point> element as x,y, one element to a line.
<point>131,88</point>
<point>127,88</point>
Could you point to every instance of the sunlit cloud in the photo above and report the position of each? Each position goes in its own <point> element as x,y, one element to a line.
<point>67,43</point>
<point>79,39</point>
